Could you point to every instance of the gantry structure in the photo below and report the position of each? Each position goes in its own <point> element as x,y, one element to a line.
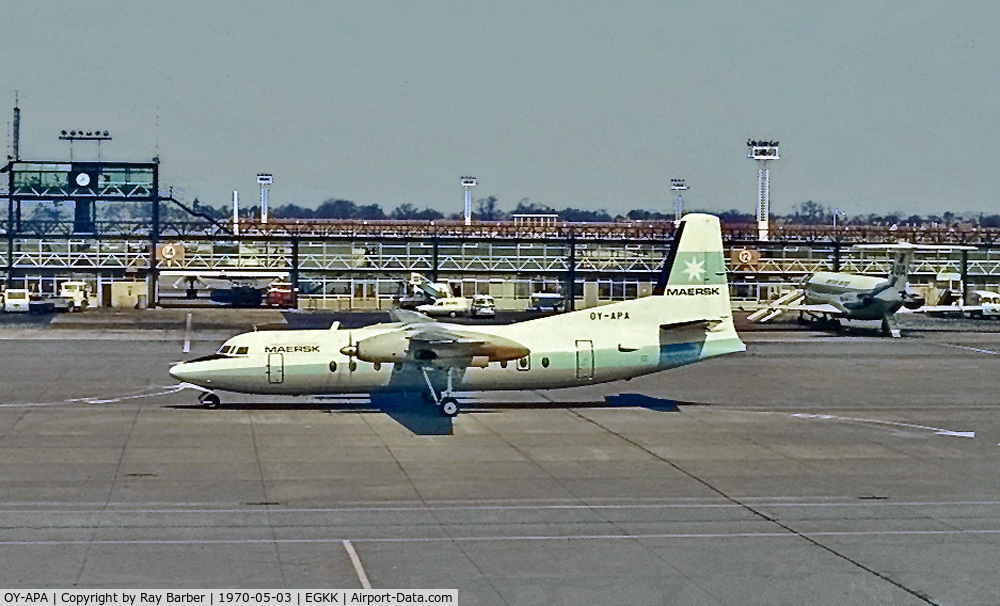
<point>60,224</point>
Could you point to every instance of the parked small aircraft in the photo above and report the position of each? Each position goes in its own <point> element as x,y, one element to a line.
<point>686,319</point>
<point>833,296</point>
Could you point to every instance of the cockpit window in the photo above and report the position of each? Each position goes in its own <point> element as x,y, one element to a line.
<point>232,350</point>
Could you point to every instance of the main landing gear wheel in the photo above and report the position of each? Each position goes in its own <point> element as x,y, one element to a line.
<point>447,403</point>
<point>449,406</point>
<point>210,400</point>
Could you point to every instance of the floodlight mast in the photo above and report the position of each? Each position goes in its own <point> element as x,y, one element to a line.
<point>468,183</point>
<point>763,152</point>
<point>80,135</point>
<point>678,185</point>
<point>236,213</point>
<point>264,179</point>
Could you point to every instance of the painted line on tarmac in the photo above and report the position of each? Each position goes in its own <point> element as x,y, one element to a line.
<point>937,430</point>
<point>111,510</point>
<point>975,349</point>
<point>562,537</point>
<point>166,390</point>
<point>358,568</point>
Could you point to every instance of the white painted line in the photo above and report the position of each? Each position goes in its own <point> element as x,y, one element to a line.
<point>167,390</point>
<point>357,565</point>
<point>201,509</point>
<point>491,539</point>
<point>937,430</point>
<point>187,335</point>
<point>985,351</point>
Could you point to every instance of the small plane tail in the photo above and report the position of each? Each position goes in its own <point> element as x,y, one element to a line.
<point>900,269</point>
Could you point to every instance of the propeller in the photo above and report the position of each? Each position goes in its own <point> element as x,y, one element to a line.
<point>351,351</point>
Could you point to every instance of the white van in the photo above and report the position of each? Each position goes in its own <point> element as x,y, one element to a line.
<point>483,306</point>
<point>16,300</point>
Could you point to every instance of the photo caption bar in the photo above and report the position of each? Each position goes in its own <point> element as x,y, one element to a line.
<point>224,597</point>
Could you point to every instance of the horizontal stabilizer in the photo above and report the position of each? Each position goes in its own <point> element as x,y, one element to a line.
<point>686,332</point>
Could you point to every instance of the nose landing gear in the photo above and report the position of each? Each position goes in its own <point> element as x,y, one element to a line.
<point>209,399</point>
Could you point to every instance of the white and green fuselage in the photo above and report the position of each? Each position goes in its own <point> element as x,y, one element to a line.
<point>687,319</point>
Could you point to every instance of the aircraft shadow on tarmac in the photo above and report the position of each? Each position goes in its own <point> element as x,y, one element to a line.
<point>421,418</point>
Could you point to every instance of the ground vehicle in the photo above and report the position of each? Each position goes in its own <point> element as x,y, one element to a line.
<point>16,300</point>
<point>985,302</point>
<point>420,291</point>
<point>73,296</point>
<point>547,301</point>
<point>450,306</point>
<point>280,295</point>
<point>979,304</point>
<point>483,306</point>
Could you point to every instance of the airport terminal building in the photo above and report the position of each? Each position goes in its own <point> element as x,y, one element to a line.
<point>65,221</point>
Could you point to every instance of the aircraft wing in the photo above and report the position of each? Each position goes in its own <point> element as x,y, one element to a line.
<point>948,309</point>
<point>407,316</point>
<point>437,344</point>
<point>824,308</point>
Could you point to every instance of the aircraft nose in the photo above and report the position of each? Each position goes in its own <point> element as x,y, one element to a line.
<point>194,372</point>
<point>178,372</point>
<point>191,372</point>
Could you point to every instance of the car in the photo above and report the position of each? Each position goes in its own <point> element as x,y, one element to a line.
<point>450,306</point>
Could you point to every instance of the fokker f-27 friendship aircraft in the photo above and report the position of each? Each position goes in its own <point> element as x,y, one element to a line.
<point>686,319</point>
<point>835,295</point>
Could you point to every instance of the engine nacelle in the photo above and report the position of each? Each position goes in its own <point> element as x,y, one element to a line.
<point>501,349</point>
<point>386,348</point>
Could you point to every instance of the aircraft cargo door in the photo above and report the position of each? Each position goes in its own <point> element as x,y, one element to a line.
<point>275,368</point>
<point>585,360</point>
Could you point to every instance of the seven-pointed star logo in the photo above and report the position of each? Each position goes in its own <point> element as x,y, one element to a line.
<point>694,270</point>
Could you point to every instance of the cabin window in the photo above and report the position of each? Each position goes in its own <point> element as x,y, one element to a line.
<point>352,366</point>
<point>377,366</point>
<point>333,366</point>
<point>545,362</point>
<point>524,363</point>
<point>503,363</point>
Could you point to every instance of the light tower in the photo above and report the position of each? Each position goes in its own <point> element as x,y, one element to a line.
<point>264,179</point>
<point>79,135</point>
<point>468,183</point>
<point>762,152</point>
<point>678,185</point>
<point>17,129</point>
<point>236,213</point>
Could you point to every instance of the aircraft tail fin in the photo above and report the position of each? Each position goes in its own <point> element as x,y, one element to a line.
<point>900,269</point>
<point>695,289</point>
<point>695,264</point>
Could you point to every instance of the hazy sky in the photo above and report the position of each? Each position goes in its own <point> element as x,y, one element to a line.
<point>879,106</point>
